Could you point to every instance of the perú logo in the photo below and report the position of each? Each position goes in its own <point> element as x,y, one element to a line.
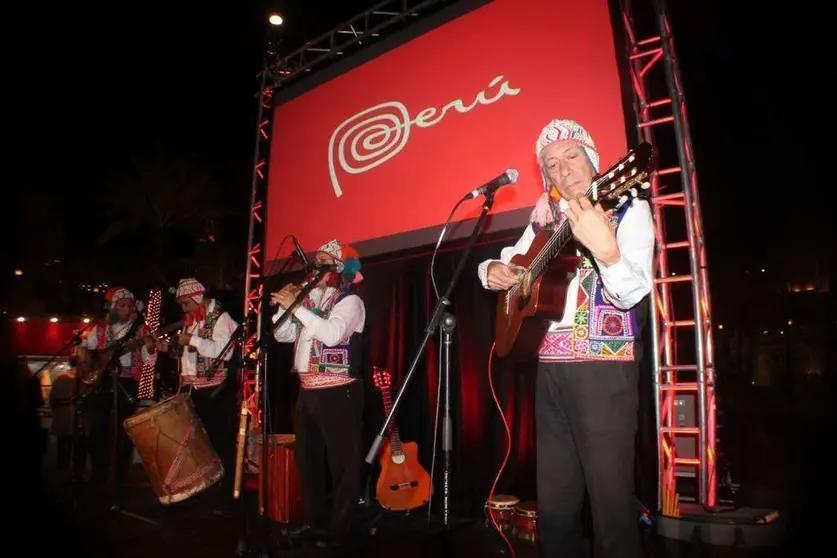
<point>376,135</point>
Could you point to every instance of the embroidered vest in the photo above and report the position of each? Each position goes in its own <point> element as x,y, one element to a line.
<point>600,331</point>
<point>107,340</point>
<point>205,374</point>
<point>331,366</point>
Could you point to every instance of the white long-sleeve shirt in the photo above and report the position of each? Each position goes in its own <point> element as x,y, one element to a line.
<point>225,326</point>
<point>626,282</point>
<point>117,331</point>
<point>346,317</point>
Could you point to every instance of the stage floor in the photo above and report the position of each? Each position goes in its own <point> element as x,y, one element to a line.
<point>83,525</point>
<point>78,521</point>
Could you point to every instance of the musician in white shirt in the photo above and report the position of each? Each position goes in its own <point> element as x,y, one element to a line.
<point>586,391</point>
<point>328,359</point>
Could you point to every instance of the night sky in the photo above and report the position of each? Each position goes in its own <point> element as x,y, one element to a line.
<point>92,87</point>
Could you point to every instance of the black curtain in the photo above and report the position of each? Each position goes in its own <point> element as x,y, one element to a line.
<point>400,298</point>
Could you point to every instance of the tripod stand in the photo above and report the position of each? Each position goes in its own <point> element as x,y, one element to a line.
<point>112,368</point>
<point>448,322</point>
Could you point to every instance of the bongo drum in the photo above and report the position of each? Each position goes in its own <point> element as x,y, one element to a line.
<point>501,506</point>
<point>526,521</point>
<point>284,500</point>
<point>175,449</point>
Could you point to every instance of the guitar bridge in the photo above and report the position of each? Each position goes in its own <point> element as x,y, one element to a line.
<point>403,486</point>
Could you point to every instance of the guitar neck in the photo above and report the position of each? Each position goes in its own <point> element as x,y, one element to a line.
<point>625,180</point>
<point>394,436</point>
<point>553,246</point>
<point>138,342</point>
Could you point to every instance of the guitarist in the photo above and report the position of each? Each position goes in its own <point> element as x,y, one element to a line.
<point>586,390</point>
<point>326,329</point>
<point>120,322</point>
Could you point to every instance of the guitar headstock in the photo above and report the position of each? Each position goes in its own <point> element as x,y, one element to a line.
<point>381,378</point>
<point>628,179</point>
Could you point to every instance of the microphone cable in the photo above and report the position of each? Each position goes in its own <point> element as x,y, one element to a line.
<point>505,458</point>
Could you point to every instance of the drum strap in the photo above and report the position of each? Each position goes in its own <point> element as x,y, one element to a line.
<point>177,462</point>
<point>173,482</point>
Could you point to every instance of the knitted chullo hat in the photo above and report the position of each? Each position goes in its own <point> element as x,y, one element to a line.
<point>559,130</point>
<point>115,295</point>
<point>348,256</point>
<point>191,288</point>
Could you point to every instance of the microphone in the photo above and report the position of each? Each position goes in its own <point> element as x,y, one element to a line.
<point>299,252</point>
<point>335,267</point>
<point>508,177</point>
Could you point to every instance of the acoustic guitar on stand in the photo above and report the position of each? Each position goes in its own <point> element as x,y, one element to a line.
<point>403,484</point>
<point>523,310</point>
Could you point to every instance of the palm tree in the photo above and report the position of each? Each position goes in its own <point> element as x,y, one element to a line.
<point>157,211</point>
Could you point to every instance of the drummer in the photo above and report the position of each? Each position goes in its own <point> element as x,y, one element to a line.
<point>206,377</point>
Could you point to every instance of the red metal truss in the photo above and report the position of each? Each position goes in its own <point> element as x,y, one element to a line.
<point>359,32</point>
<point>254,275</point>
<point>682,349</point>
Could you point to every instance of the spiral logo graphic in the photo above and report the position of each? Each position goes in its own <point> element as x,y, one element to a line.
<point>368,139</point>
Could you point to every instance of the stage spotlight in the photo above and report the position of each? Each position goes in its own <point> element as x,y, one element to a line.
<point>275,19</point>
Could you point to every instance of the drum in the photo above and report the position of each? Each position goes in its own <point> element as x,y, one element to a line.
<point>501,506</point>
<point>174,448</point>
<point>284,500</point>
<point>526,521</point>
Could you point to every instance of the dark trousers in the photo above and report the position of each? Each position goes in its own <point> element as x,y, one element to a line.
<point>101,430</point>
<point>329,427</point>
<point>585,418</point>
<point>63,452</point>
<point>216,407</point>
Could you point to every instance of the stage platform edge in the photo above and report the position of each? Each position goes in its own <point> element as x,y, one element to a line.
<point>756,531</point>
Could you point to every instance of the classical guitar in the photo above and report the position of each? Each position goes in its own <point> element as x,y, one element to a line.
<point>403,483</point>
<point>98,360</point>
<point>523,310</point>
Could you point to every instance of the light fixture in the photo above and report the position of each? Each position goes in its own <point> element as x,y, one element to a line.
<point>18,272</point>
<point>54,320</point>
<point>275,19</point>
<point>21,319</point>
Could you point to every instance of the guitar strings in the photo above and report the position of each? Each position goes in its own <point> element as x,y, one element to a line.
<point>556,240</point>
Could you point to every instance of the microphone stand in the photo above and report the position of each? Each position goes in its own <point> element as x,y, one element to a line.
<point>75,340</point>
<point>261,343</point>
<point>440,315</point>
<point>113,367</point>
<point>75,400</point>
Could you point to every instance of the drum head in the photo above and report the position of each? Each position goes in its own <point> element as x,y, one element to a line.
<point>529,509</point>
<point>504,500</point>
<point>281,440</point>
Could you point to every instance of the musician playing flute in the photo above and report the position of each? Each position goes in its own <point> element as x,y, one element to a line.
<point>586,399</point>
<point>326,329</point>
<point>206,376</point>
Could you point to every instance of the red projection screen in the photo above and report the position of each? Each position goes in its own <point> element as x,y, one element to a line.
<point>379,155</point>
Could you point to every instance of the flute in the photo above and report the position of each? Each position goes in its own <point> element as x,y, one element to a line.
<point>302,291</point>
